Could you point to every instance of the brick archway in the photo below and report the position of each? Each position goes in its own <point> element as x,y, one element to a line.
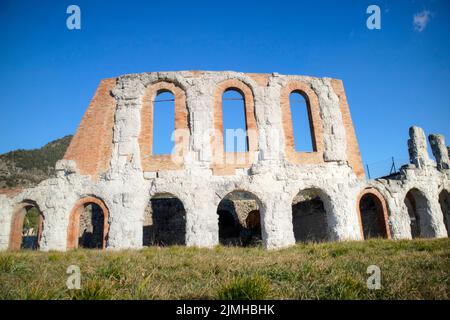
<point>156,162</point>
<point>315,123</point>
<point>381,211</point>
<point>221,163</point>
<point>74,221</point>
<point>20,211</point>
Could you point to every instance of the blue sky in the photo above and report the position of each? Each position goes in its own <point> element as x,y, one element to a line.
<point>394,77</point>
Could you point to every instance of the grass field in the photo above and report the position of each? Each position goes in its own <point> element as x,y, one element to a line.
<point>418,269</point>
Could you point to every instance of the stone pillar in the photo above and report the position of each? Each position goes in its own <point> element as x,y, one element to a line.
<point>276,217</point>
<point>436,227</point>
<point>342,216</point>
<point>54,231</point>
<point>126,215</point>
<point>417,147</point>
<point>440,152</point>
<point>6,212</point>
<point>202,221</point>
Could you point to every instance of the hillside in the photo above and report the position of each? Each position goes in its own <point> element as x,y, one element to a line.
<point>26,168</point>
<point>410,269</point>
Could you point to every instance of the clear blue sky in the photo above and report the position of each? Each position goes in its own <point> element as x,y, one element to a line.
<point>394,77</point>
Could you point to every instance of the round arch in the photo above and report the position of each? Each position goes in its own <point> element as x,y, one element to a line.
<point>220,163</point>
<point>17,237</point>
<point>310,209</point>
<point>239,218</point>
<point>315,122</point>
<point>73,229</point>
<point>417,206</point>
<point>373,214</point>
<point>164,221</point>
<point>156,162</point>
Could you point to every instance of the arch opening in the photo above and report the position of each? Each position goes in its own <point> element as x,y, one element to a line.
<point>235,135</point>
<point>164,221</point>
<point>239,220</point>
<point>444,201</point>
<point>417,205</point>
<point>372,216</point>
<point>91,227</point>
<point>26,229</point>
<point>163,122</point>
<point>301,122</point>
<point>88,224</point>
<point>309,216</point>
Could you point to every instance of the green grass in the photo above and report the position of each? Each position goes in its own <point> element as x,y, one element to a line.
<point>418,269</point>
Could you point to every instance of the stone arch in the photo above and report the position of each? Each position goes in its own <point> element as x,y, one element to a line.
<point>239,219</point>
<point>27,237</point>
<point>373,216</point>
<point>164,221</point>
<point>100,224</point>
<point>315,122</point>
<point>417,205</point>
<point>226,163</point>
<point>444,201</point>
<point>310,210</point>
<point>149,161</point>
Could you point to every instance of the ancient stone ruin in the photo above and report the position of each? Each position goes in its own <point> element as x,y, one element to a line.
<point>112,191</point>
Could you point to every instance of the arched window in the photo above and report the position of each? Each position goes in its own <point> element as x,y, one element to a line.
<point>163,122</point>
<point>234,122</point>
<point>301,122</point>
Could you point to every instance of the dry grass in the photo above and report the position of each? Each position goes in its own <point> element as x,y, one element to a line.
<point>416,269</point>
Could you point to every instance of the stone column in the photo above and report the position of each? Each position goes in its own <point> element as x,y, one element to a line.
<point>126,216</point>
<point>432,220</point>
<point>54,231</point>
<point>276,217</point>
<point>202,221</point>
<point>342,216</point>
<point>6,212</point>
<point>440,152</point>
<point>417,147</point>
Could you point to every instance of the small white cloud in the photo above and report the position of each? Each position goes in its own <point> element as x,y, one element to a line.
<point>421,19</point>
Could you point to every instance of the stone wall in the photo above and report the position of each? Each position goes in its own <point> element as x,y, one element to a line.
<point>110,160</point>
